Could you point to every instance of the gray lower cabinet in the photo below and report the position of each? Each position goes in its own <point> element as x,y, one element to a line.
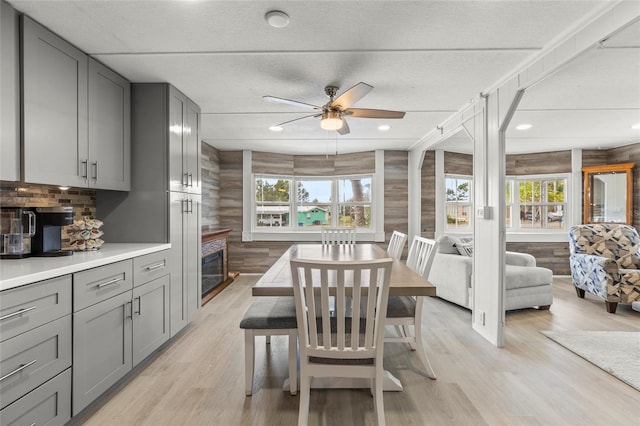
<point>121,315</point>
<point>150,317</point>
<point>48,404</point>
<point>102,352</point>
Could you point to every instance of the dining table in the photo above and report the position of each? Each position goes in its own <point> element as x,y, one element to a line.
<point>277,281</point>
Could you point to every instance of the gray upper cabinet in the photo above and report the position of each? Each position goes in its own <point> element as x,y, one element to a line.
<point>54,109</point>
<point>184,143</point>
<point>75,110</point>
<point>109,129</point>
<point>9,94</point>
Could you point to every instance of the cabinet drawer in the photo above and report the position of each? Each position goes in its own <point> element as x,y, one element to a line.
<point>98,284</point>
<point>32,358</point>
<point>50,404</point>
<point>30,306</point>
<point>149,267</point>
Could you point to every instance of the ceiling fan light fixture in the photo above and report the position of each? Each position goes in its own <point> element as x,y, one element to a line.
<point>331,121</point>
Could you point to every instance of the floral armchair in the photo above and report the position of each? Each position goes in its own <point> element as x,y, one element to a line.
<point>605,261</point>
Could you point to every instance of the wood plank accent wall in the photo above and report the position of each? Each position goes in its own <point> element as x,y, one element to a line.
<point>459,164</point>
<point>552,255</point>
<point>539,163</point>
<point>313,165</point>
<point>210,171</point>
<point>396,194</point>
<point>428,190</point>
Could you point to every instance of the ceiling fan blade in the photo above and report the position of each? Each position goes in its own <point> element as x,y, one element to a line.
<point>296,119</point>
<point>290,102</point>
<point>344,130</point>
<point>351,96</point>
<point>373,113</point>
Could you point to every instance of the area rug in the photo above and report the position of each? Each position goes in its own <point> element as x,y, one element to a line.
<point>616,352</point>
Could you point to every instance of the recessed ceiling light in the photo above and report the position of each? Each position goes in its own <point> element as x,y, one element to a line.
<point>277,18</point>
<point>524,126</point>
<point>636,126</point>
<point>384,127</point>
<point>275,128</point>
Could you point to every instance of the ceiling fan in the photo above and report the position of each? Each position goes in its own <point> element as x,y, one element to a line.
<point>333,113</point>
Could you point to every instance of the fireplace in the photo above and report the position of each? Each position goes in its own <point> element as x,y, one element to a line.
<point>215,263</point>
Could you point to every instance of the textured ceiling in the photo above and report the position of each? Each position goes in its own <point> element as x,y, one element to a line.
<point>425,57</point>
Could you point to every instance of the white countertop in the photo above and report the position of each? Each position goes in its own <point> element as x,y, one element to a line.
<point>17,272</point>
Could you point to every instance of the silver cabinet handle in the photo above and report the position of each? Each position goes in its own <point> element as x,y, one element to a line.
<point>190,207</point>
<point>125,310</point>
<point>185,180</point>
<point>85,163</point>
<point>95,170</point>
<point>20,312</point>
<point>190,179</point>
<point>113,281</point>
<point>139,305</point>
<point>19,369</point>
<point>156,266</point>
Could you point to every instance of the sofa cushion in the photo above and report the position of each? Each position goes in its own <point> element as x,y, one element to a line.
<point>465,249</point>
<point>447,244</point>
<point>526,276</point>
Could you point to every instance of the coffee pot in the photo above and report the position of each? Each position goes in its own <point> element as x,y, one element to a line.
<point>15,243</point>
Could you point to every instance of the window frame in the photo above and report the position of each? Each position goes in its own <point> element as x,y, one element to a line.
<point>293,228</point>
<point>516,228</point>
<point>458,230</point>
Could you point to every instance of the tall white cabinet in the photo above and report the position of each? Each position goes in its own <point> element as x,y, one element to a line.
<point>163,204</point>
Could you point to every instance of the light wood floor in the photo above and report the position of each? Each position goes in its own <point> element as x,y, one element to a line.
<point>199,379</point>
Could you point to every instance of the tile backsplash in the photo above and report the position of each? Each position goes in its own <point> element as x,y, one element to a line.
<point>15,194</point>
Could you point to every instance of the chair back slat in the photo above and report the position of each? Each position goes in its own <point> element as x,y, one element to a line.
<point>344,282</point>
<point>338,235</point>
<point>421,254</point>
<point>396,244</point>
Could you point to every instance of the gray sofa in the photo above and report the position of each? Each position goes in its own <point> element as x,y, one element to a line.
<point>526,284</point>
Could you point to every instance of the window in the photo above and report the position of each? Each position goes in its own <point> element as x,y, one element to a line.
<point>272,202</point>
<point>458,203</point>
<point>317,202</point>
<point>535,203</point>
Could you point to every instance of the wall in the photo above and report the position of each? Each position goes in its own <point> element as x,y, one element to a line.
<point>258,256</point>
<point>210,170</point>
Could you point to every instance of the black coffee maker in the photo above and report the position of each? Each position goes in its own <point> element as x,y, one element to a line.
<point>47,240</point>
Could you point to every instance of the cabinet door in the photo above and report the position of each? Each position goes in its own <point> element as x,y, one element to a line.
<point>54,79</point>
<point>192,261</point>
<point>109,129</point>
<point>49,404</point>
<point>177,212</point>
<point>9,95</point>
<point>178,176</point>
<point>150,317</point>
<point>192,148</point>
<point>101,348</point>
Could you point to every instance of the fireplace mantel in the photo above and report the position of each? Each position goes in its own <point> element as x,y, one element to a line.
<point>213,242</point>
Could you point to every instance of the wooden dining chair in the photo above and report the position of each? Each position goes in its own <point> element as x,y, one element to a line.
<point>406,311</point>
<point>338,235</point>
<point>335,339</point>
<point>270,316</point>
<point>396,244</point>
